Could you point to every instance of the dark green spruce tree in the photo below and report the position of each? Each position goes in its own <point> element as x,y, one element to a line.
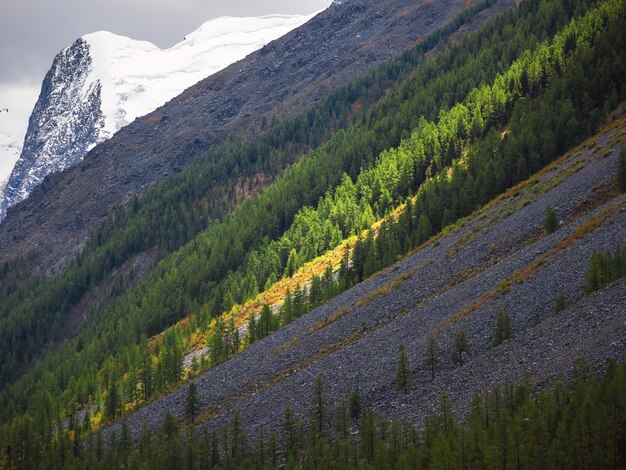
<point>432,360</point>
<point>403,372</point>
<point>550,220</point>
<point>460,347</point>
<point>192,403</point>
<point>503,329</point>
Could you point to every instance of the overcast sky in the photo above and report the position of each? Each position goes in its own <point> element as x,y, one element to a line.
<point>33,31</point>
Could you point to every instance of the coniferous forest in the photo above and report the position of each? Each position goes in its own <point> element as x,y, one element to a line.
<point>578,424</point>
<point>435,137</point>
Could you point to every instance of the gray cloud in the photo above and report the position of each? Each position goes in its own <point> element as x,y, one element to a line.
<point>33,31</point>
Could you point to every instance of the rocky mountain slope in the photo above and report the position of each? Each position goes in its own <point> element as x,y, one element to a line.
<point>498,259</point>
<point>103,81</point>
<point>279,80</point>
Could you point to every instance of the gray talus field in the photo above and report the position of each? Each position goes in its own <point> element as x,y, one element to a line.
<point>497,260</point>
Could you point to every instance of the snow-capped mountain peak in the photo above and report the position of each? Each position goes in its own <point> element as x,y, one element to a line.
<point>104,81</point>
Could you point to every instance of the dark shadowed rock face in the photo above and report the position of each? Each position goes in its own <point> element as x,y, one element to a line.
<point>280,80</point>
<point>63,126</point>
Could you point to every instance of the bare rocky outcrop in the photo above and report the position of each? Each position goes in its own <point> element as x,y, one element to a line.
<point>499,260</point>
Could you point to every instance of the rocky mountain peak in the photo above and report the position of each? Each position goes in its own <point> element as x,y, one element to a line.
<point>103,82</point>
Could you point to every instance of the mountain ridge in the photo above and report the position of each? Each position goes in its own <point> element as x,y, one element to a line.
<point>43,223</point>
<point>104,81</point>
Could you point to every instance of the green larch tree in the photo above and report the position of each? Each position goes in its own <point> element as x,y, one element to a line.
<point>460,347</point>
<point>432,360</point>
<point>403,372</point>
<point>192,403</point>
<point>550,220</point>
<point>503,329</point>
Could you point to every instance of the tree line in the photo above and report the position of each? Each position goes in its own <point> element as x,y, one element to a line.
<point>575,424</point>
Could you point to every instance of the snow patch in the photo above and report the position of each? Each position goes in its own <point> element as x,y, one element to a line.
<point>138,77</point>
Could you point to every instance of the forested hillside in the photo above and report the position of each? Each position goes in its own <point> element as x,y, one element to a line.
<point>175,211</point>
<point>268,215</point>
<point>571,425</point>
<point>278,81</point>
<point>379,168</point>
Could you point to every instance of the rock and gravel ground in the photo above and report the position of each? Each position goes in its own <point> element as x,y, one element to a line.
<point>499,260</point>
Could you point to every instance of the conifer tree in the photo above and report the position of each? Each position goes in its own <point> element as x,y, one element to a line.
<point>315,292</point>
<point>234,341</point>
<point>260,449</point>
<point>370,263</point>
<point>368,433</point>
<point>289,429</point>
<point>215,449</point>
<point>432,360</point>
<point>299,301</point>
<point>561,303</point>
<point>342,418</point>
<point>424,229</point>
<point>448,218</point>
<point>550,220</point>
<point>271,280</point>
<point>359,252</point>
<point>126,442</point>
<point>344,267</point>
<point>355,404</point>
<point>113,400</point>
<point>145,440</point>
<point>266,322</point>
<point>146,376</point>
<point>252,326</point>
<point>238,437</point>
<point>217,346</point>
<point>445,414</point>
<point>461,346</point>
<point>192,403</point>
<point>191,448</point>
<point>403,373</point>
<point>172,450</point>
<point>503,329</point>
<point>292,261</point>
<point>605,268</point>
<point>272,449</point>
<point>319,412</point>
<point>170,426</point>
<point>594,276</point>
<point>287,309</point>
